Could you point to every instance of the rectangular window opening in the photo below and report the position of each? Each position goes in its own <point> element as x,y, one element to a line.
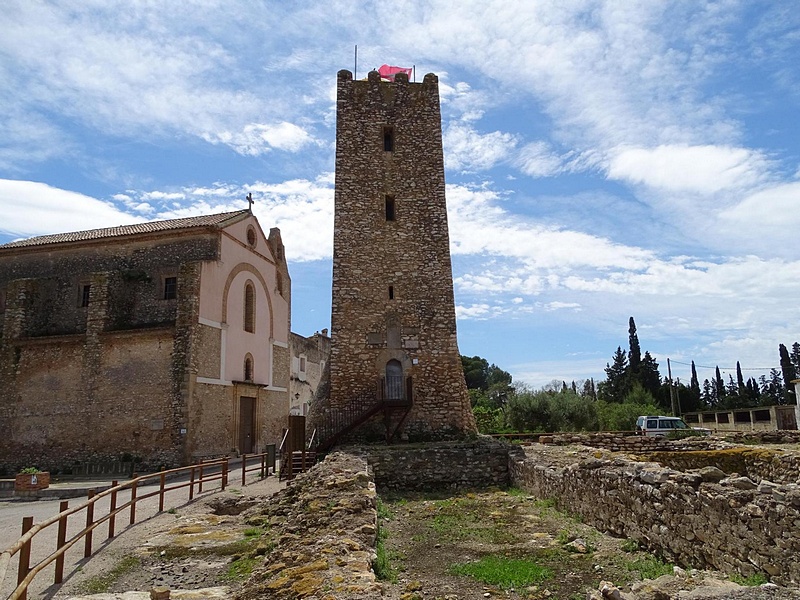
<point>302,364</point>
<point>389,208</point>
<point>388,138</point>
<point>85,291</point>
<point>391,292</point>
<point>170,288</point>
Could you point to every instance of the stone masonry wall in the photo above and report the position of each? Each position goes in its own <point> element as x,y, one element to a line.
<point>772,464</point>
<point>136,299</point>
<point>480,463</point>
<point>698,519</point>
<point>55,423</point>
<point>82,383</point>
<point>326,523</point>
<point>392,276</point>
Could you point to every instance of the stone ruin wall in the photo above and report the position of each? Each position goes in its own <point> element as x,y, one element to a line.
<point>474,464</point>
<point>734,524</point>
<point>326,518</point>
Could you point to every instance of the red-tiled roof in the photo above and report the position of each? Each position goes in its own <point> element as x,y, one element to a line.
<point>217,220</point>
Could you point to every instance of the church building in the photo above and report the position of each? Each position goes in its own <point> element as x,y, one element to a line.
<point>165,341</point>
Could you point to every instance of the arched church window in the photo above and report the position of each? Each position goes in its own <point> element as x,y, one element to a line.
<point>248,368</point>
<point>249,307</point>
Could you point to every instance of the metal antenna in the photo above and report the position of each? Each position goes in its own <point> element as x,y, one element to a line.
<point>355,64</point>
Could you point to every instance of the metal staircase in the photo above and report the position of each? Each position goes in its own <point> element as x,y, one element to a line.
<point>393,398</point>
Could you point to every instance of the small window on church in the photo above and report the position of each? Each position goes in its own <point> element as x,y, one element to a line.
<point>388,138</point>
<point>248,368</point>
<point>85,291</point>
<point>251,236</point>
<point>170,288</point>
<point>391,292</point>
<point>389,208</point>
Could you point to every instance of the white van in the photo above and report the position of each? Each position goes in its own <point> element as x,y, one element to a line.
<point>660,426</point>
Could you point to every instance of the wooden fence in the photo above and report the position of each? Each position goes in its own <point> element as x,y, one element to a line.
<point>200,474</point>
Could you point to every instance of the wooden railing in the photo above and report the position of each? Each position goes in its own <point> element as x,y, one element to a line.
<point>199,474</point>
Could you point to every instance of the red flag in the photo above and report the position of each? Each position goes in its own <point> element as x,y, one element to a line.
<point>387,72</point>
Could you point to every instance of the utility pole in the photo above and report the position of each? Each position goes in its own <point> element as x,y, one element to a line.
<point>672,401</point>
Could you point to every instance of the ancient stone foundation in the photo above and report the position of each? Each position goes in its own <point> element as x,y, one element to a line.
<point>479,463</point>
<point>326,522</point>
<point>704,518</point>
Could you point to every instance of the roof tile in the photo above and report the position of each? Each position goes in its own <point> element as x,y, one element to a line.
<point>122,230</point>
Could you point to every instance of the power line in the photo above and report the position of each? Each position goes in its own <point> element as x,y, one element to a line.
<point>722,368</point>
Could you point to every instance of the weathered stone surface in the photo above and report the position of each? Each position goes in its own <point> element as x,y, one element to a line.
<point>392,277</point>
<point>707,525</point>
<point>326,523</point>
<point>480,463</point>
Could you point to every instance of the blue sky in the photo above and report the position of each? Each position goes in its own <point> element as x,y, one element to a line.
<point>605,159</point>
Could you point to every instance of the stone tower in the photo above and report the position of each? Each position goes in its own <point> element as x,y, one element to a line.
<point>393,321</point>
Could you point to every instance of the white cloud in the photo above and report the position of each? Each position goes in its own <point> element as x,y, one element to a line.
<point>767,211</point>
<point>538,246</point>
<point>681,168</point>
<point>258,138</point>
<point>538,160</point>
<point>28,208</point>
<point>302,209</point>
<point>466,149</point>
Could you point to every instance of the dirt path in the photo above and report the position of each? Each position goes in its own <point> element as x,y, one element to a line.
<point>132,561</point>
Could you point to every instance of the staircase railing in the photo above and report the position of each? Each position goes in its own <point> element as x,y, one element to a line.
<point>392,393</point>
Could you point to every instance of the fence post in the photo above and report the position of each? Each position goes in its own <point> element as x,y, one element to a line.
<point>200,487</point>
<point>162,480</point>
<point>191,483</point>
<point>61,540</point>
<point>244,469</point>
<point>263,462</point>
<point>224,474</point>
<point>24,556</point>
<point>87,547</point>
<point>112,516</point>
<point>271,453</point>
<point>134,483</point>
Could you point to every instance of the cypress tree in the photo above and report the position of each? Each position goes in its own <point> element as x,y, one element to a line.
<point>635,352</point>
<point>694,384</point>
<point>739,379</point>
<point>789,373</point>
<point>719,386</point>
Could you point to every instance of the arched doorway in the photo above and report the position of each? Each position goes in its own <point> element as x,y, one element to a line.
<point>393,386</point>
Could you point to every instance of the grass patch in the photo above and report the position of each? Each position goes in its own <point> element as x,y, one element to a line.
<point>253,532</point>
<point>516,492</point>
<point>240,569</point>
<point>504,572</point>
<point>752,581</point>
<point>102,583</point>
<point>630,545</point>
<point>546,503</point>
<point>649,567</point>
<point>383,511</point>
<point>382,567</point>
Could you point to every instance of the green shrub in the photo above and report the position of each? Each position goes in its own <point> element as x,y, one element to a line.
<point>30,471</point>
<point>622,417</point>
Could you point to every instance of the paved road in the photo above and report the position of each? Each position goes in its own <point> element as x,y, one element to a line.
<point>44,543</point>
